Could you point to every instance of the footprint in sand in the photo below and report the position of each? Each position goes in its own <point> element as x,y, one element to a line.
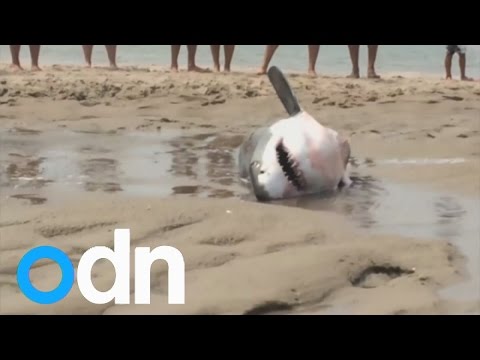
<point>454,98</point>
<point>375,276</point>
<point>34,199</point>
<point>397,92</point>
<point>269,307</point>
<point>319,99</point>
<point>225,240</point>
<point>89,103</point>
<point>187,190</point>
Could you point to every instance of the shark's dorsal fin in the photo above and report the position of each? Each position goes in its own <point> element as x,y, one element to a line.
<point>284,91</point>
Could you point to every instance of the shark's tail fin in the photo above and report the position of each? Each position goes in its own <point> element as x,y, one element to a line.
<point>284,91</point>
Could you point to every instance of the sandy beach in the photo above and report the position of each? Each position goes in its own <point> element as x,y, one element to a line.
<point>86,151</point>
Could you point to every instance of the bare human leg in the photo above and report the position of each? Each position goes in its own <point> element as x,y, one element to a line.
<point>34,55</point>
<point>462,59</point>
<point>372,57</point>
<point>312,58</point>
<point>448,65</point>
<point>15,51</point>
<point>87,53</point>
<point>354,53</point>
<point>175,53</point>
<point>229,50</point>
<point>269,51</point>
<point>192,52</point>
<point>216,57</point>
<point>112,56</point>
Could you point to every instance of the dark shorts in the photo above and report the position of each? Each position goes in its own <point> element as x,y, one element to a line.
<point>459,49</point>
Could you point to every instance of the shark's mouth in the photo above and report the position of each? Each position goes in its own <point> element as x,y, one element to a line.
<point>290,167</point>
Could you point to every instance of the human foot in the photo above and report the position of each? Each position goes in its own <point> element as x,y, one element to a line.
<point>195,68</point>
<point>354,75</point>
<point>372,74</point>
<point>16,67</point>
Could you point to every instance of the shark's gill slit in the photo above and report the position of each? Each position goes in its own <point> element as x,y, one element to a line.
<point>289,166</point>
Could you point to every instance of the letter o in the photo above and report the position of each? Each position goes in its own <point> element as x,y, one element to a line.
<point>23,275</point>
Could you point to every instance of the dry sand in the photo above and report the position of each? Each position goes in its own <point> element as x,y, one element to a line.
<point>404,240</point>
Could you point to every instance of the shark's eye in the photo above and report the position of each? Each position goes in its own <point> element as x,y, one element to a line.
<point>256,165</point>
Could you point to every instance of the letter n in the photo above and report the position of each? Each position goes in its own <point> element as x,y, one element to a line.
<point>176,273</point>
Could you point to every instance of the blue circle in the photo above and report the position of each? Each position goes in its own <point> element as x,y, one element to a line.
<point>23,275</point>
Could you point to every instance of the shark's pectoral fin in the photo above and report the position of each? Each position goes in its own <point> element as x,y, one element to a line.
<point>284,91</point>
<point>345,150</point>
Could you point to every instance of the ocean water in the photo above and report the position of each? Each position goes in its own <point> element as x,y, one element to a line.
<point>406,60</point>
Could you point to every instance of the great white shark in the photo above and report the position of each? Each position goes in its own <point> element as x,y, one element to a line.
<point>295,156</point>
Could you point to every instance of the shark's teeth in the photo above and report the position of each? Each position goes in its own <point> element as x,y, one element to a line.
<point>290,167</point>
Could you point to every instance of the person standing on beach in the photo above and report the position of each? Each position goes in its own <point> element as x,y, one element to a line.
<point>313,51</point>
<point>192,52</point>
<point>229,49</point>
<point>111,53</point>
<point>461,50</point>
<point>372,56</point>
<point>34,55</point>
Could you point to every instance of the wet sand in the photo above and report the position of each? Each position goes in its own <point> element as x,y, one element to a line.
<point>83,152</point>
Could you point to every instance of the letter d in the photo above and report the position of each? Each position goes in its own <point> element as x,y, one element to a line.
<point>120,258</point>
